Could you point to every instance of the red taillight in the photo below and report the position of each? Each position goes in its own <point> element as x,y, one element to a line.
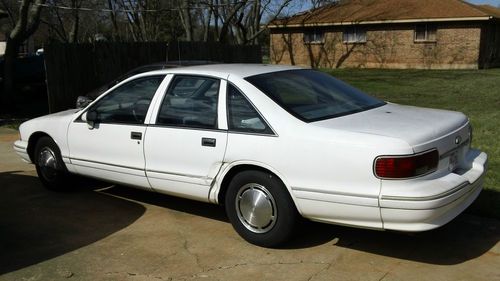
<point>398,167</point>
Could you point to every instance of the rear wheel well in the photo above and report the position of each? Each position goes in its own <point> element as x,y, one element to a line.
<point>32,144</point>
<point>235,170</point>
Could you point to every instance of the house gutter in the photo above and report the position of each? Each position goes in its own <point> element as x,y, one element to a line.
<point>382,22</point>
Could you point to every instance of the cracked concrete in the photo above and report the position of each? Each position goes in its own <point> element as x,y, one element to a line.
<point>118,233</point>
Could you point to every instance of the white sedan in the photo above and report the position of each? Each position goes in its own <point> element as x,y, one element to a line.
<point>271,144</point>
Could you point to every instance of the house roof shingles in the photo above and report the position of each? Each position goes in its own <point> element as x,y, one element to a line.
<point>490,10</point>
<point>389,10</point>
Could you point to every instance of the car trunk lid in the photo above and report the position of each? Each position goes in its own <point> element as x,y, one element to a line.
<point>422,128</point>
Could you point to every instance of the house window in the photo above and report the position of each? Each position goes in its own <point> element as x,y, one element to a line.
<point>354,34</point>
<point>425,33</point>
<point>314,36</point>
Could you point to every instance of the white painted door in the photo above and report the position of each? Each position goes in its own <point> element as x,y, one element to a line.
<point>113,148</point>
<point>185,145</point>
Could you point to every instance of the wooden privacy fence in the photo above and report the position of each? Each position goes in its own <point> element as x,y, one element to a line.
<point>73,70</point>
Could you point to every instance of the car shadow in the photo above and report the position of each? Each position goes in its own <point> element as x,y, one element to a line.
<point>465,238</point>
<point>487,204</point>
<point>197,208</point>
<point>37,225</point>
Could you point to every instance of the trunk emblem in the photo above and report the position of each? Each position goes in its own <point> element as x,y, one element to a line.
<point>458,140</point>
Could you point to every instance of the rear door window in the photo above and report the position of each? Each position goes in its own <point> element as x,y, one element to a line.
<point>190,101</point>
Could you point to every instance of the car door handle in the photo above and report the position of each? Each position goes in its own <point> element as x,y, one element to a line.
<point>136,135</point>
<point>208,142</point>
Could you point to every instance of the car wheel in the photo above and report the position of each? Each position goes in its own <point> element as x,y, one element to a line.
<point>49,164</point>
<point>260,208</point>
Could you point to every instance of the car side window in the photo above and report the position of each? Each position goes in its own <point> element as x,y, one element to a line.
<point>190,101</point>
<point>129,102</point>
<point>243,117</point>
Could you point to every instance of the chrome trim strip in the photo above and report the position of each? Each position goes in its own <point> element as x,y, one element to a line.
<point>79,120</point>
<point>109,170</point>
<point>188,182</point>
<point>427,198</point>
<point>253,134</point>
<point>138,169</point>
<point>186,128</point>
<point>341,203</point>
<point>179,174</point>
<point>332,192</point>
<point>103,163</point>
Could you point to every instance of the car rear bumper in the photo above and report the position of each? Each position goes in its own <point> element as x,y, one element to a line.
<point>425,204</point>
<point>21,148</point>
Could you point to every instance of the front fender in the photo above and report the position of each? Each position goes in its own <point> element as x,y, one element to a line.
<point>53,125</point>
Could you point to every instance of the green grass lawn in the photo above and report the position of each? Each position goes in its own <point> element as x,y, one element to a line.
<point>473,92</point>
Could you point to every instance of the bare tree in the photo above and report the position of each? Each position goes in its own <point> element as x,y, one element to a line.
<point>239,20</point>
<point>23,24</point>
<point>207,21</point>
<point>248,24</point>
<point>64,24</point>
<point>73,34</point>
<point>145,20</point>
<point>185,14</point>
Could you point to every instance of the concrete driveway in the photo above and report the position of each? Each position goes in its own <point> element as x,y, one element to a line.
<point>100,232</point>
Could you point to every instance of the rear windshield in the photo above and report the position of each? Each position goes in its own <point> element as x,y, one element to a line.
<point>312,95</point>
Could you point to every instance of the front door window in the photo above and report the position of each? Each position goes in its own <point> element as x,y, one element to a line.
<point>129,102</point>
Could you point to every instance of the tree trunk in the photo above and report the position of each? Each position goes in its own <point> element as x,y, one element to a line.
<point>26,25</point>
<point>112,14</point>
<point>207,26</point>
<point>10,56</point>
<point>225,29</point>
<point>185,15</point>
<point>73,34</point>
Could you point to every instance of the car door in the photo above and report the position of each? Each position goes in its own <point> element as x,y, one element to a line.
<point>186,142</point>
<point>112,149</point>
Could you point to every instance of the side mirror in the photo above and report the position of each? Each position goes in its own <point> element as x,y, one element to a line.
<point>91,117</point>
<point>82,101</point>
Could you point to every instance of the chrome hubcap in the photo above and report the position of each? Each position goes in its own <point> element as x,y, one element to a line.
<point>48,163</point>
<point>256,208</point>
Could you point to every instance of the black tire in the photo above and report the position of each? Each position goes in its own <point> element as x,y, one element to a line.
<point>52,172</point>
<point>267,221</point>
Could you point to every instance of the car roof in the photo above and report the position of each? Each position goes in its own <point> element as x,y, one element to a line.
<point>224,70</point>
<point>153,67</point>
<point>217,70</point>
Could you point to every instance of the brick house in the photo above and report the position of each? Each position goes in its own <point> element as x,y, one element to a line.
<point>444,34</point>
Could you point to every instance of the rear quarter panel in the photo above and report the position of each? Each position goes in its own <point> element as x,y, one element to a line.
<point>316,164</point>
